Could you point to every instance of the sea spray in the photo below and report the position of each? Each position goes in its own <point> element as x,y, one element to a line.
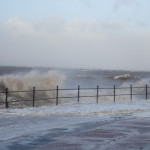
<point>26,82</point>
<point>137,90</point>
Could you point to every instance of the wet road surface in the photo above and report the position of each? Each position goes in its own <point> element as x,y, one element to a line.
<point>122,133</point>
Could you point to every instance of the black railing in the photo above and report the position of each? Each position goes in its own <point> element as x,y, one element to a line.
<point>57,94</point>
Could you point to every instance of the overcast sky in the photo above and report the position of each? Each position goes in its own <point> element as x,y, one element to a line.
<point>102,34</point>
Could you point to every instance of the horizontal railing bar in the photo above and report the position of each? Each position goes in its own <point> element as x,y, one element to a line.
<point>80,89</point>
<point>73,89</point>
<point>23,100</point>
<point>105,95</point>
<point>68,97</point>
<point>122,94</point>
<point>44,90</point>
<point>19,91</point>
<point>87,96</point>
<point>100,88</point>
<point>105,88</point>
<point>140,94</point>
<point>139,87</point>
<point>88,88</point>
<point>43,99</point>
<point>121,88</point>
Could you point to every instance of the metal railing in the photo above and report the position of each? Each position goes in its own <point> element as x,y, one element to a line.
<point>56,94</point>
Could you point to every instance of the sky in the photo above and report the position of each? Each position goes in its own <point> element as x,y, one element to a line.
<point>92,34</point>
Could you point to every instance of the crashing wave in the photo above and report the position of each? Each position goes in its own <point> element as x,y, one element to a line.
<point>40,81</point>
<point>124,76</point>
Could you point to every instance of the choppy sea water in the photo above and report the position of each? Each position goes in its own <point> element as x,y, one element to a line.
<point>104,78</point>
<point>20,78</point>
<point>86,77</point>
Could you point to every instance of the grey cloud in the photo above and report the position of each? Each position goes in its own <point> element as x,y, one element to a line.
<point>78,43</point>
<point>50,24</point>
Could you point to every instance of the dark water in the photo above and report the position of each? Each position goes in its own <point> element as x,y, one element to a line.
<point>74,77</point>
<point>86,77</point>
<point>103,78</point>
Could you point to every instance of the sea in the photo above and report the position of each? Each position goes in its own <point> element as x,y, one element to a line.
<point>103,78</point>
<point>86,78</point>
<point>24,78</point>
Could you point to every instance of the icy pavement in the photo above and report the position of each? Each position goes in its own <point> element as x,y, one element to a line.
<point>121,125</point>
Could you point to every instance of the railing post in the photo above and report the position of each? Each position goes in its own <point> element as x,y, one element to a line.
<point>146,91</point>
<point>78,93</point>
<point>6,102</point>
<point>114,93</point>
<point>97,93</point>
<point>130,92</point>
<point>33,96</point>
<point>57,95</point>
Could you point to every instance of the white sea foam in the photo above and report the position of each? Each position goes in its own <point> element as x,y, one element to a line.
<point>33,78</point>
<point>40,81</point>
<point>124,76</point>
